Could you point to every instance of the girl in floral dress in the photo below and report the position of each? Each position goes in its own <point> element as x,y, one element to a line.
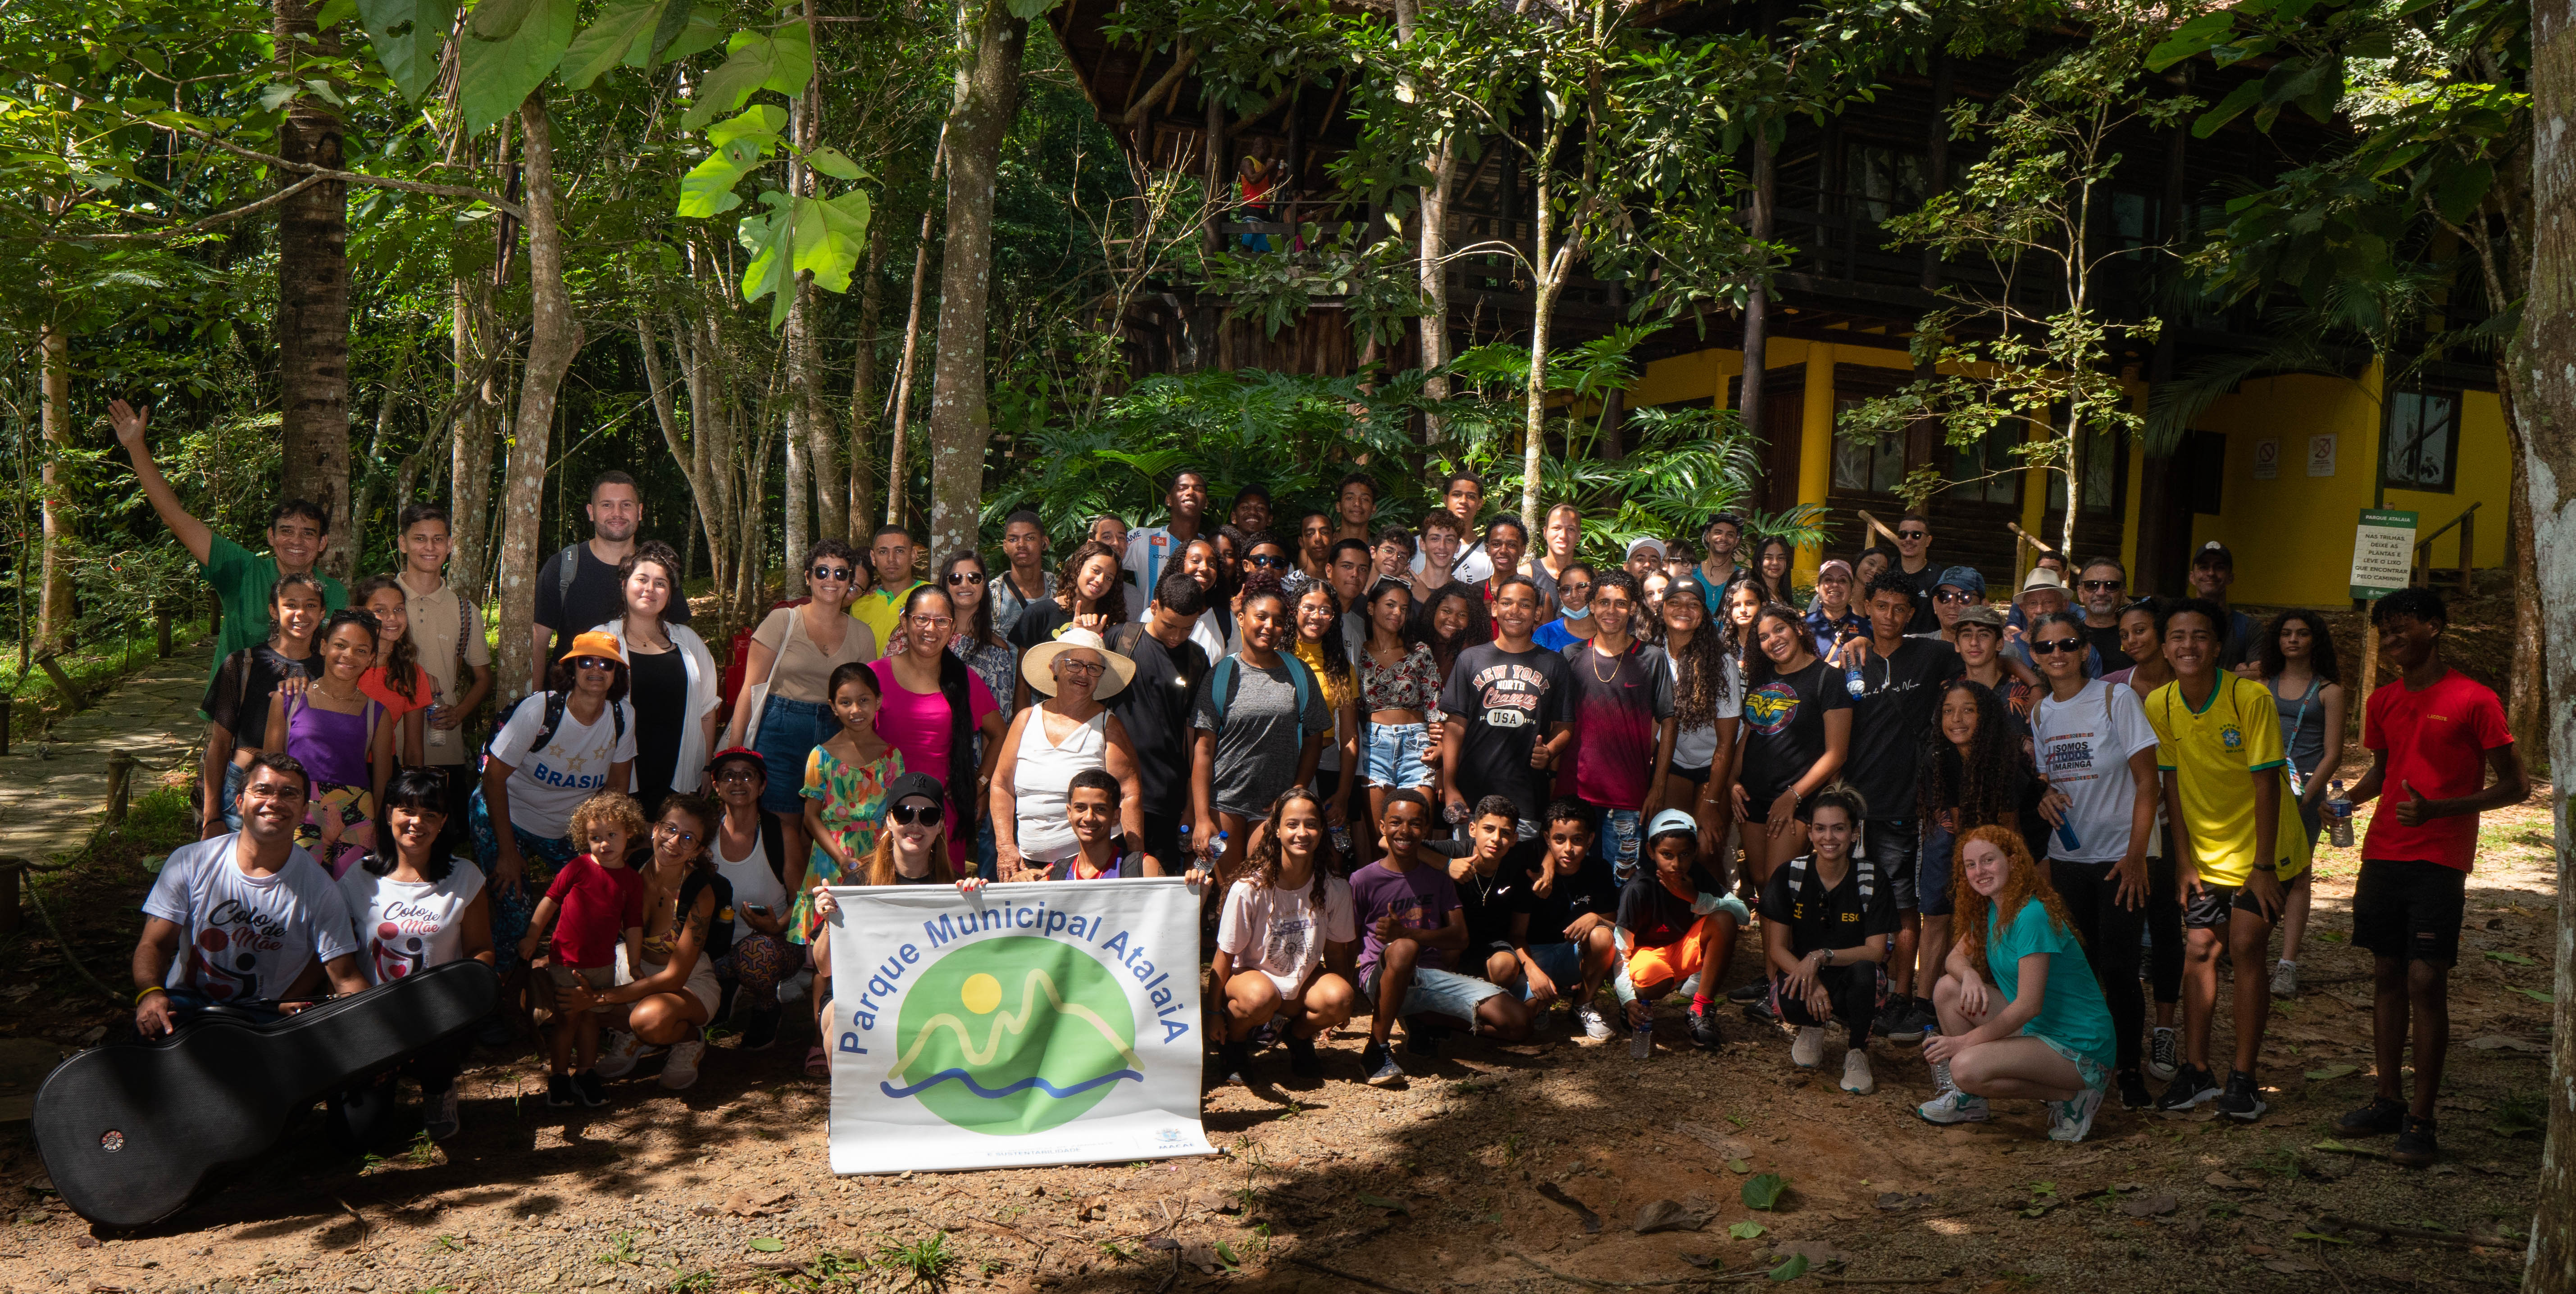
<point>845,797</point>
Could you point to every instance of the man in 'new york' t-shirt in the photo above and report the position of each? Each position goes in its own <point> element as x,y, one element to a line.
<point>1509,697</point>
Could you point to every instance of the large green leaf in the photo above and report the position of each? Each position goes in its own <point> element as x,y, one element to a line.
<point>606,43</point>
<point>738,145</point>
<point>701,31</point>
<point>781,60</point>
<point>500,19</point>
<point>407,35</point>
<point>822,236</point>
<point>497,75</point>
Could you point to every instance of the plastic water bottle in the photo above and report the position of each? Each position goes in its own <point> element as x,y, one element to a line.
<point>1641,1041</point>
<point>1853,685</point>
<point>2339,813</point>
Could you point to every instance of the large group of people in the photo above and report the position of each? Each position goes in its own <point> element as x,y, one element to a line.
<point>1444,772</point>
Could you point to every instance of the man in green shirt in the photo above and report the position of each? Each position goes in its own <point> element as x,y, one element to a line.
<point>242,579</point>
<point>891,552</point>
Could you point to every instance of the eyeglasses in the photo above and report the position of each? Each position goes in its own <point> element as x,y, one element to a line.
<point>593,662</point>
<point>965,577</point>
<point>2053,646</point>
<point>1072,666</point>
<point>927,815</point>
<point>830,572</point>
<point>1914,534</point>
<point>1267,563</point>
<point>1954,598</point>
<point>925,620</point>
<point>669,832</point>
<point>737,773</point>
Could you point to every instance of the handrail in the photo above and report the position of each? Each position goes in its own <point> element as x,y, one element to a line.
<point>2427,540</point>
<point>2468,544</point>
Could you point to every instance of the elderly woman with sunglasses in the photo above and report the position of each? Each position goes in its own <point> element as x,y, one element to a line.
<point>783,711</point>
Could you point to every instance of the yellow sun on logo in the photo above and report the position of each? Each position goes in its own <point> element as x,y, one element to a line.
<point>981,993</point>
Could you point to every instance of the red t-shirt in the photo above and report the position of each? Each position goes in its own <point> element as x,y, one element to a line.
<point>916,723</point>
<point>2436,740</point>
<point>599,905</point>
<point>379,688</point>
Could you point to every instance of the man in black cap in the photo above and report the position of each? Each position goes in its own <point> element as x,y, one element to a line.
<point>2213,568</point>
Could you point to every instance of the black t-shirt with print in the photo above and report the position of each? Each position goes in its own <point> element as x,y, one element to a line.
<point>1784,729</point>
<point>1900,693</point>
<point>1588,890</point>
<point>1507,701</point>
<point>1816,917</point>
<point>1488,901</point>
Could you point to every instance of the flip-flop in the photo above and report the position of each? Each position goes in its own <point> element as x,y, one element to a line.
<point>818,1063</point>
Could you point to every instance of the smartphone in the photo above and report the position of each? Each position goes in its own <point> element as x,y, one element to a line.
<point>762,909</point>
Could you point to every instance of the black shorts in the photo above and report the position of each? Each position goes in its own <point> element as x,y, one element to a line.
<point>1891,845</point>
<point>2215,904</point>
<point>1694,776</point>
<point>2409,910</point>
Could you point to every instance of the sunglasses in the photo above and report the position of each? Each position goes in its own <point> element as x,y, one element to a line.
<point>1267,563</point>
<point>737,773</point>
<point>1954,598</point>
<point>927,815</point>
<point>965,577</point>
<point>830,572</point>
<point>2100,586</point>
<point>2050,647</point>
<point>1914,534</point>
<point>594,662</point>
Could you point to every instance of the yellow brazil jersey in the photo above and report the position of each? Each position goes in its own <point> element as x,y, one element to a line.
<point>2211,750</point>
<point>879,611</point>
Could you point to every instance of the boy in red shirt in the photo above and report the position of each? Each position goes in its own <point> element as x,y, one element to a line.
<point>2433,739</point>
<point>595,900</point>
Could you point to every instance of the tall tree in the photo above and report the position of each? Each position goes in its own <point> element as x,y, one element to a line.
<point>991,40</point>
<point>2543,372</point>
<point>554,337</point>
<point>313,284</point>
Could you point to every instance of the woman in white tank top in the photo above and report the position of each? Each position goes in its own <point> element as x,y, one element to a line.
<point>1051,741</point>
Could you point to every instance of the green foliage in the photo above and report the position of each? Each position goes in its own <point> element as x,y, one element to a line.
<point>407,35</point>
<point>503,61</point>
<point>1373,281</point>
<point>1763,1191</point>
<point>923,1262</point>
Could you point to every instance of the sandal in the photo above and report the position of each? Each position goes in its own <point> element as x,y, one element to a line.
<point>818,1063</point>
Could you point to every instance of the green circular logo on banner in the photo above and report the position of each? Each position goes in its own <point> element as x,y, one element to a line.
<point>1013,1036</point>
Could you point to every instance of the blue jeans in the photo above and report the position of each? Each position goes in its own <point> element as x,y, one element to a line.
<point>510,912</point>
<point>232,796</point>
<point>1620,841</point>
<point>789,732</point>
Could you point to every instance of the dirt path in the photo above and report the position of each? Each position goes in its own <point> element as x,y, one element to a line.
<point>52,792</point>
<point>1442,1185</point>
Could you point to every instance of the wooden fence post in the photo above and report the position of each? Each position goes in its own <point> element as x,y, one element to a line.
<point>120,785</point>
<point>13,873</point>
<point>161,628</point>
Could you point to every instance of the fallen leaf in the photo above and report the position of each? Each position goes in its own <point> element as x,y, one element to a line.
<point>1162,1242</point>
<point>1790,1270</point>
<point>2509,959</point>
<point>2332,1072</point>
<point>2334,1147</point>
<point>1381,1202</point>
<point>2534,994</point>
<point>1673,1215</point>
<point>1201,1256</point>
<point>2259,1251</point>
<point>1739,1166</point>
<point>766,1245</point>
<point>1764,1191</point>
<point>2499,1042</point>
<point>2267,1212</point>
<point>2148,1206</point>
<point>1745,1231</point>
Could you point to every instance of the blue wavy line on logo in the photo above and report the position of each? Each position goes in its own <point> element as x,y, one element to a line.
<point>997,1093</point>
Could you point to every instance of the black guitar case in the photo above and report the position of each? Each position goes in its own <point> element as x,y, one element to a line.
<point>132,1131</point>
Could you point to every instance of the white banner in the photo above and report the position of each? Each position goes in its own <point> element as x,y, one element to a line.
<point>1048,1023</point>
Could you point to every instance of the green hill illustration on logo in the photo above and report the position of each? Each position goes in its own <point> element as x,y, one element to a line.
<point>1013,1036</point>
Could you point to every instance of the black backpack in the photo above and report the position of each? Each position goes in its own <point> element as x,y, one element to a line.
<point>551,722</point>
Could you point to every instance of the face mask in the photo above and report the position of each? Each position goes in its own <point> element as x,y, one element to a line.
<point>1579,613</point>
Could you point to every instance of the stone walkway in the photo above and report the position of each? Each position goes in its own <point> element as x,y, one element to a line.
<point>52,793</point>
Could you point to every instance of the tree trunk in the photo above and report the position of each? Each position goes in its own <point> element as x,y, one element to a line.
<point>988,83</point>
<point>810,418</point>
<point>1757,311</point>
<point>2544,394</point>
<point>313,298</point>
<point>863,385</point>
<point>554,337</point>
<point>469,463</point>
<point>1430,260</point>
<point>898,476</point>
<point>798,499</point>
<point>55,611</point>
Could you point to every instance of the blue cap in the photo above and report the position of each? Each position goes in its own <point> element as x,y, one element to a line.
<point>1672,820</point>
<point>1965,579</point>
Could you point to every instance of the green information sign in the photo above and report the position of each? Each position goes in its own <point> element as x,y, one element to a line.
<point>2383,553</point>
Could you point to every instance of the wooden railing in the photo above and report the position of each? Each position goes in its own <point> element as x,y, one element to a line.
<point>2468,524</point>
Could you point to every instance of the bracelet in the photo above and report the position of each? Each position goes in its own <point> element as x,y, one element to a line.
<point>138,998</point>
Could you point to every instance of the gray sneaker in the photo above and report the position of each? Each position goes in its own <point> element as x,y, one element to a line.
<point>2285,979</point>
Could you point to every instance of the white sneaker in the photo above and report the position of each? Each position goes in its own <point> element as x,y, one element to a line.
<point>439,1118</point>
<point>2164,1054</point>
<point>618,1055</point>
<point>1857,1079</point>
<point>2285,979</point>
<point>2070,1120</point>
<point>1954,1106</point>
<point>1595,1025</point>
<point>681,1068</point>
<point>1809,1050</point>
<point>794,988</point>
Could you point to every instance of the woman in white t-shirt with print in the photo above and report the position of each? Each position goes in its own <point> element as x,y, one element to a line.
<point>1285,941</point>
<point>411,907</point>
<point>2098,755</point>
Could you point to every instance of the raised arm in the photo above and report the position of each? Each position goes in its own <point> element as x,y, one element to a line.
<point>191,533</point>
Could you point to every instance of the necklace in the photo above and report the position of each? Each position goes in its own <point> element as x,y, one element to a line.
<point>1595,666</point>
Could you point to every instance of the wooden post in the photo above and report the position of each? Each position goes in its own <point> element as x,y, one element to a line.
<point>2468,546</point>
<point>13,873</point>
<point>62,682</point>
<point>161,628</point>
<point>7,719</point>
<point>120,785</point>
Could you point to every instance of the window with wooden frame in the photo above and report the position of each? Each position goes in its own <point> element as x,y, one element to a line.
<point>2421,448</point>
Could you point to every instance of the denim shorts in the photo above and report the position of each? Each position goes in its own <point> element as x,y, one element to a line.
<point>1932,872</point>
<point>1563,963</point>
<point>1395,754</point>
<point>233,779</point>
<point>789,732</point>
<point>1436,992</point>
